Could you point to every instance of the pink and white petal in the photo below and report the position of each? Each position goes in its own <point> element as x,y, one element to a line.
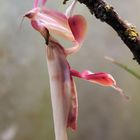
<point>36,25</point>
<point>56,22</point>
<point>60,84</point>
<point>73,28</point>
<point>44,2</point>
<point>36,3</point>
<point>78,27</point>
<point>72,50</point>
<point>58,16</point>
<point>73,114</point>
<point>70,9</point>
<point>52,20</point>
<point>100,78</point>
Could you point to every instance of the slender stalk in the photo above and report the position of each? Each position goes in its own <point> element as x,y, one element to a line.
<point>123,66</point>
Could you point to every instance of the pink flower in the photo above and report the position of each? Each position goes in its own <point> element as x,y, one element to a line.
<point>70,27</point>
<point>63,89</point>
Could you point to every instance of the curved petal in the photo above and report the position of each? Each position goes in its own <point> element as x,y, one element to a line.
<point>58,16</point>
<point>100,78</point>
<point>56,22</point>
<point>78,28</point>
<point>73,28</point>
<point>59,75</point>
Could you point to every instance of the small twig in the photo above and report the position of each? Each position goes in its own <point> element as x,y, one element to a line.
<point>125,30</point>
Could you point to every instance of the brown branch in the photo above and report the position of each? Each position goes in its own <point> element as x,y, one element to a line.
<point>126,31</point>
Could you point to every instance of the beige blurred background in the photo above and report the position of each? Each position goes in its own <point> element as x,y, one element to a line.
<point>25,104</point>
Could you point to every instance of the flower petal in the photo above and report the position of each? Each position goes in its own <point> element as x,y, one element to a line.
<point>100,78</point>
<point>63,90</point>
<point>44,2</point>
<point>36,3</point>
<point>78,28</point>
<point>56,22</point>
<point>73,114</point>
<point>59,75</point>
<point>70,9</point>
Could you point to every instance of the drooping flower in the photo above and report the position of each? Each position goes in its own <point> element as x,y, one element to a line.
<point>70,27</point>
<point>63,89</point>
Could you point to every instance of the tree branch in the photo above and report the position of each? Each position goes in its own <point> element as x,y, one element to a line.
<point>125,30</point>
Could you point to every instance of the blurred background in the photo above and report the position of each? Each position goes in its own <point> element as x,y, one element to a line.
<point>25,103</point>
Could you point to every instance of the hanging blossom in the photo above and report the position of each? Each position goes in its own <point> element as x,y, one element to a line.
<point>63,89</point>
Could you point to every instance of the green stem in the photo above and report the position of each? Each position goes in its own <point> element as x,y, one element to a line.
<point>124,67</point>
